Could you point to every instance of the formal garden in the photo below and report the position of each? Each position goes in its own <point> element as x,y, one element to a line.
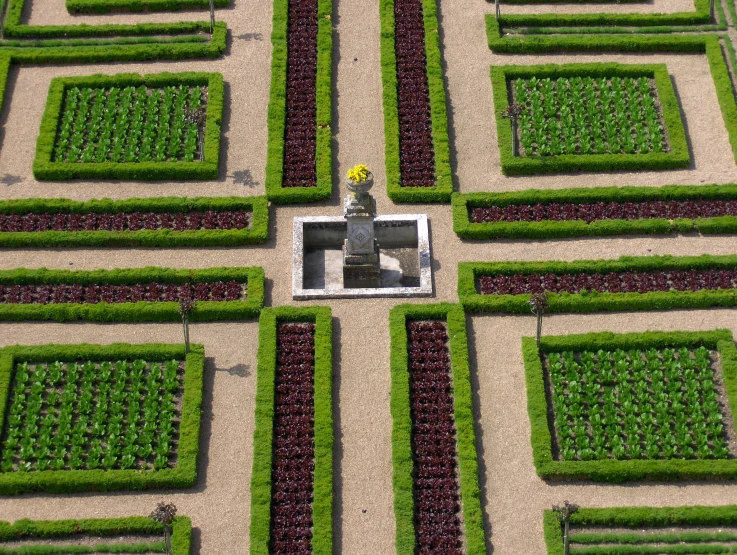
<point>520,341</point>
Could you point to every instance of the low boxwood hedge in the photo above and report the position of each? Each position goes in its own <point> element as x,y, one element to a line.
<point>105,6</point>
<point>611,470</point>
<point>463,203</point>
<point>140,311</point>
<point>41,530</point>
<point>66,481</point>
<point>256,233</point>
<point>640,518</point>
<point>403,482</point>
<point>593,301</point>
<point>678,157</point>
<point>322,504</point>
<point>438,112</point>
<point>275,191</point>
<point>45,168</point>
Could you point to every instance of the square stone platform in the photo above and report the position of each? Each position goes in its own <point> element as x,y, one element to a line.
<point>317,263</point>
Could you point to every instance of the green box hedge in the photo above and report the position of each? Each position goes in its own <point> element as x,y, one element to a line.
<point>639,518</point>
<point>593,301</point>
<point>277,108</point>
<point>611,470</point>
<point>140,311</point>
<point>438,112</point>
<point>105,6</point>
<point>512,164</point>
<point>322,504</point>
<point>548,229</point>
<point>66,481</point>
<point>256,233</point>
<point>403,482</point>
<point>41,530</point>
<point>45,168</point>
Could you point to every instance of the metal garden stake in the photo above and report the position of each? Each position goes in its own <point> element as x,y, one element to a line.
<point>212,16</point>
<point>496,7</point>
<point>539,304</point>
<point>564,515</point>
<point>186,306</point>
<point>512,113</point>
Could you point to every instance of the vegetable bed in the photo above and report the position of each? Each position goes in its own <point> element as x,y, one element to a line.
<point>128,126</point>
<point>92,535</point>
<point>616,407</point>
<point>82,417</point>
<point>291,487</point>
<point>153,222</point>
<point>433,441</point>
<point>415,117</point>
<point>146,294</point>
<point>600,211</point>
<point>644,530</point>
<point>589,117</point>
<point>630,283</point>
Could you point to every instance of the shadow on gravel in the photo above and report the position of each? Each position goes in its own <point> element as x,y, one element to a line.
<point>337,443</point>
<point>692,163</point>
<point>478,430</point>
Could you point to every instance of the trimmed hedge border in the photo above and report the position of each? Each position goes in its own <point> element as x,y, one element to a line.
<point>404,509</point>
<point>322,504</point>
<point>143,311</point>
<point>257,233</point>
<point>46,169</point>
<point>66,481</point>
<point>181,537</point>
<point>105,6</point>
<point>611,470</point>
<point>466,229</point>
<point>636,517</point>
<point>277,108</point>
<point>473,301</point>
<point>528,165</point>
<point>438,111</point>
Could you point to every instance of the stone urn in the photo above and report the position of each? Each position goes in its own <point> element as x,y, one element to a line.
<point>361,266</point>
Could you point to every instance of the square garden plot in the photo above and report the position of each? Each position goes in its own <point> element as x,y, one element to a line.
<point>617,407</point>
<point>588,117</point>
<point>128,126</point>
<point>84,417</point>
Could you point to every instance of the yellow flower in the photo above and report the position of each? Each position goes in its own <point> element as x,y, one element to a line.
<point>359,173</point>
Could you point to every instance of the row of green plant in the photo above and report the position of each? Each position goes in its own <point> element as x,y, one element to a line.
<point>143,311</point>
<point>277,108</point>
<point>177,532</point>
<point>404,507</point>
<point>620,404</point>
<point>647,523</point>
<point>611,469</point>
<point>678,157</point>
<point>592,301</point>
<point>463,203</point>
<point>263,436</point>
<point>56,131</point>
<point>438,111</point>
<point>257,232</point>
<point>12,367</point>
<point>588,116</point>
<point>93,416</point>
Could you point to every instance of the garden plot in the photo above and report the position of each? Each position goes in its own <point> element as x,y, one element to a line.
<point>100,423</point>
<point>645,530</point>
<point>622,407</point>
<point>575,117</point>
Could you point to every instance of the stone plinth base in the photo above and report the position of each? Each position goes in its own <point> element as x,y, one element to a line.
<point>361,270</point>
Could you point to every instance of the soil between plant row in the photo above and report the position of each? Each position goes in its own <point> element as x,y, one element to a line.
<point>436,489</point>
<point>293,464</point>
<point>300,131</point>
<point>416,151</point>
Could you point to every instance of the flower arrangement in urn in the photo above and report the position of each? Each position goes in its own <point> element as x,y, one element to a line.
<point>359,179</point>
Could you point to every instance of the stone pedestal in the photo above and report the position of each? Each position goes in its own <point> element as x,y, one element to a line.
<point>361,265</point>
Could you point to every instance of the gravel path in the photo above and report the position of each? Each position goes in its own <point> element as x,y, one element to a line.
<point>364,522</point>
